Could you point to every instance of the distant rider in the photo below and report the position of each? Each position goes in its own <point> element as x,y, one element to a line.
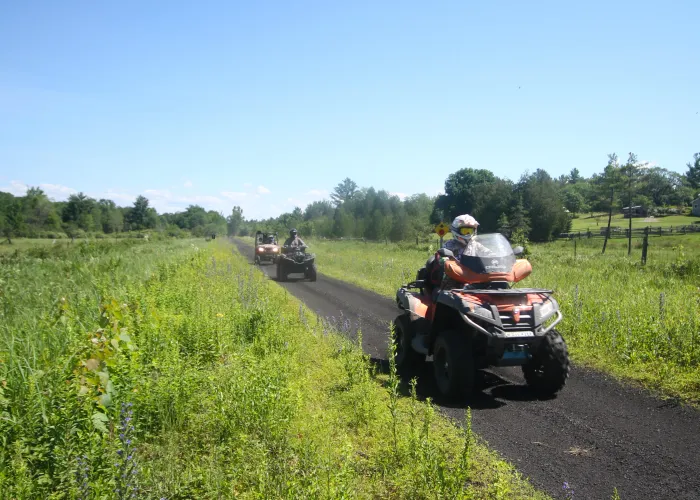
<point>294,241</point>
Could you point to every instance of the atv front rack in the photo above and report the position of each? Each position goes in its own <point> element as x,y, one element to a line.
<point>480,291</point>
<point>504,291</point>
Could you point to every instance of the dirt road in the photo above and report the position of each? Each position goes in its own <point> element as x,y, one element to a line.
<point>596,435</point>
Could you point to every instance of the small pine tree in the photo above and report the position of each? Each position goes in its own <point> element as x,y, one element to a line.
<point>519,219</point>
<point>504,225</point>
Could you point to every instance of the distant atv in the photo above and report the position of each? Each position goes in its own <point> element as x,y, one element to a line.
<point>266,248</point>
<point>486,323</point>
<point>295,260</point>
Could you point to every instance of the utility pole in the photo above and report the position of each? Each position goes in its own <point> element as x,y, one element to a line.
<point>629,204</point>
<point>607,233</point>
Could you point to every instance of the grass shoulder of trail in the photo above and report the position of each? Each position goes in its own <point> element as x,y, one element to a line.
<point>640,323</point>
<point>176,370</point>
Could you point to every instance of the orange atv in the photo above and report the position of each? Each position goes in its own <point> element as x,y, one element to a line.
<point>483,322</point>
<point>266,248</point>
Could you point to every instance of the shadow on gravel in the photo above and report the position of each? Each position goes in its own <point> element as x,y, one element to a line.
<point>492,391</point>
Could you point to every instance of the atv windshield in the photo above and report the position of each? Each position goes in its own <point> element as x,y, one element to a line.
<point>488,253</point>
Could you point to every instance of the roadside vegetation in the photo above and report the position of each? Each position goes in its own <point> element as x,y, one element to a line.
<point>174,369</point>
<point>637,322</point>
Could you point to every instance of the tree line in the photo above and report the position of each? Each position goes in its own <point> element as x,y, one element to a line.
<point>34,215</point>
<point>537,207</point>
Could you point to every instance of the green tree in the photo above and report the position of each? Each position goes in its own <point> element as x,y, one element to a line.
<point>400,226</point>
<point>235,221</point>
<point>462,190</point>
<point>139,216</point>
<point>574,201</point>
<point>318,209</point>
<point>543,201</point>
<point>504,225</point>
<point>693,173</point>
<point>111,217</point>
<point>78,205</point>
<point>38,209</point>
<point>344,191</point>
<point>518,218</point>
<point>13,222</point>
<point>342,223</point>
<point>476,192</point>
<point>574,176</point>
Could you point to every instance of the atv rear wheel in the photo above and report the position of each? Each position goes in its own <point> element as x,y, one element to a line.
<point>405,357</point>
<point>547,371</point>
<point>453,364</point>
<point>256,261</point>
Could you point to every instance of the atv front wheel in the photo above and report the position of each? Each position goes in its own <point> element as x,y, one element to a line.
<point>453,364</point>
<point>311,273</point>
<point>281,276</point>
<point>547,371</point>
<point>404,357</point>
<point>256,261</point>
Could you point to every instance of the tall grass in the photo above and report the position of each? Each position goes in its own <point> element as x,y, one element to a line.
<point>143,370</point>
<point>639,322</point>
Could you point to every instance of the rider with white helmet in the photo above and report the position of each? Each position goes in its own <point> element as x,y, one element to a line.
<point>463,229</point>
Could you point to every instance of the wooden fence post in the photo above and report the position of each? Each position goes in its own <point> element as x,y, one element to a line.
<point>575,250</point>
<point>645,247</point>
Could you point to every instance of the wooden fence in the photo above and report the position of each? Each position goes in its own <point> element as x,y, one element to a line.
<point>617,232</point>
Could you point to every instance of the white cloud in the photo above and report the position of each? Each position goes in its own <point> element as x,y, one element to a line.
<point>118,198</point>
<point>296,202</point>
<point>263,190</point>
<point>16,188</point>
<point>57,190</point>
<point>165,201</point>
<point>188,184</point>
<point>234,195</point>
<point>401,196</point>
<point>53,191</point>
<point>248,184</point>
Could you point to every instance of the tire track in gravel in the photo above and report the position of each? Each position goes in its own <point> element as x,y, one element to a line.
<point>597,434</point>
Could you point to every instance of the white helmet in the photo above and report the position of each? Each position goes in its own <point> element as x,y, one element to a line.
<point>463,228</point>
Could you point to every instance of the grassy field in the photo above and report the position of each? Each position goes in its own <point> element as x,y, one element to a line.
<point>22,244</point>
<point>637,322</point>
<point>597,221</point>
<point>176,370</point>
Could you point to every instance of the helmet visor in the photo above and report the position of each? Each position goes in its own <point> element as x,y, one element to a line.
<point>465,230</point>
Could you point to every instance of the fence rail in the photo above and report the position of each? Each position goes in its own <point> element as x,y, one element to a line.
<point>639,232</point>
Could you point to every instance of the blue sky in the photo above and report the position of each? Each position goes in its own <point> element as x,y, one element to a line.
<point>270,104</point>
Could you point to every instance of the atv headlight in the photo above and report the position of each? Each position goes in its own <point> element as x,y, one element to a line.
<point>275,249</point>
<point>483,312</point>
<point>548,308</point>
<point>260,249</point>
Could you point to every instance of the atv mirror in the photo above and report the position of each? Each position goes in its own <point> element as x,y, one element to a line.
<point>518,250</point>
<point>444,252</point>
